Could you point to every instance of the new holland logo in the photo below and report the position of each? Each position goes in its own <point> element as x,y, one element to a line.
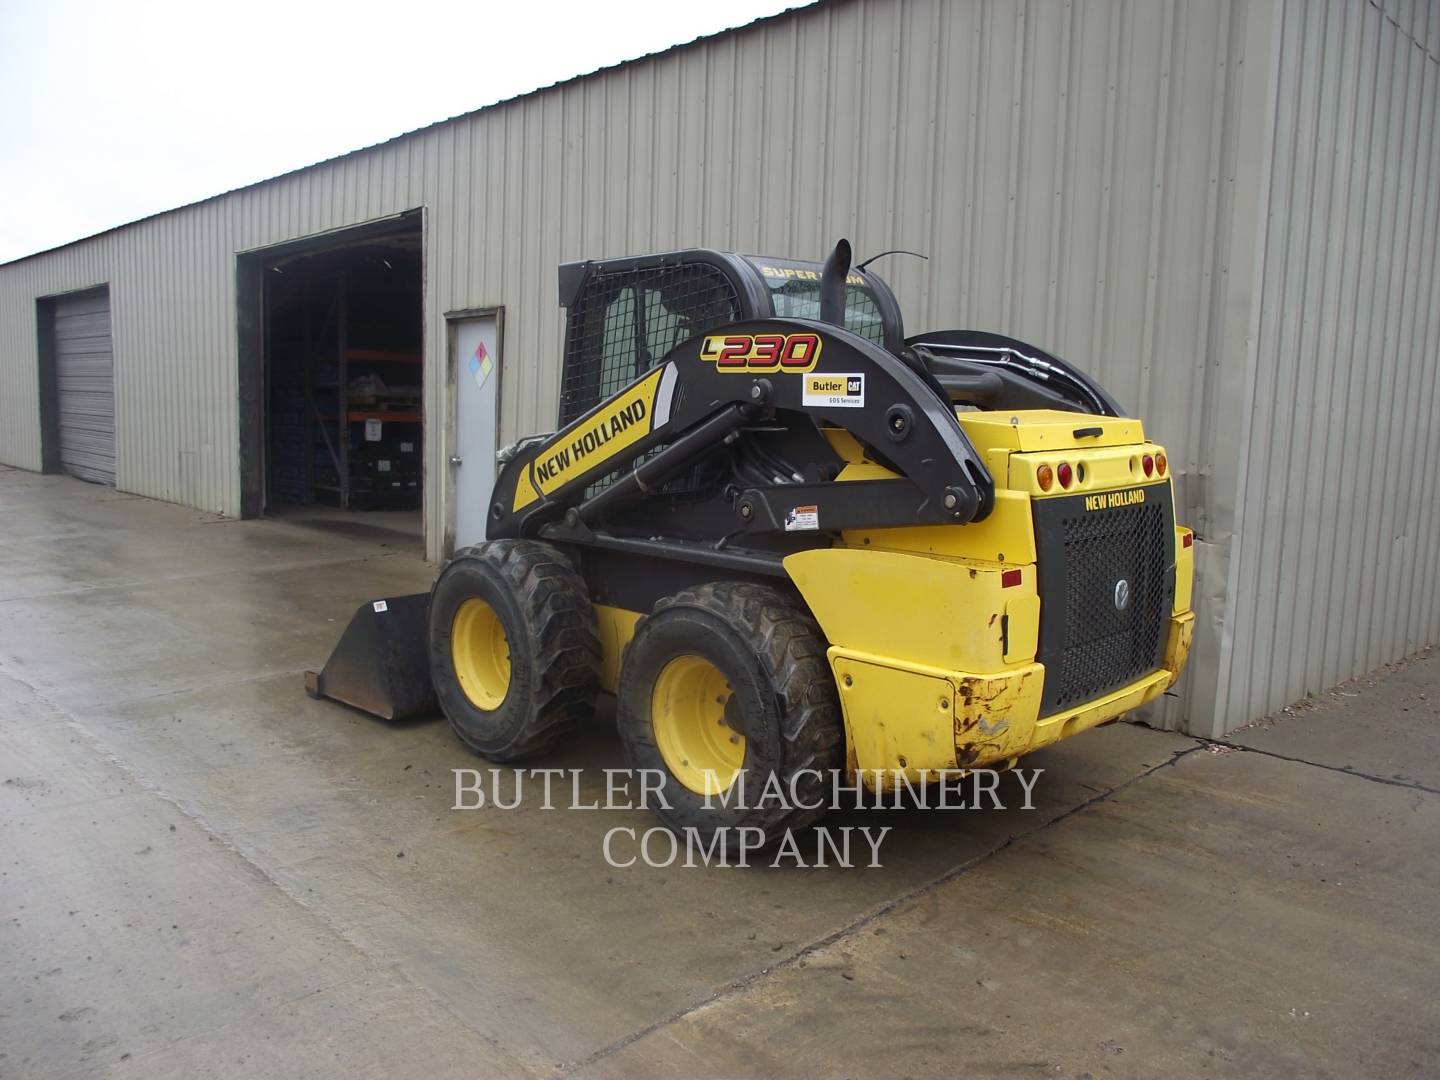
<point>594,439</point>
<point>1112,500</point>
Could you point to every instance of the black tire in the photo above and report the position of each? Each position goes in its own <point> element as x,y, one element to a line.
<point>772,654</point>
<point>554,649</point>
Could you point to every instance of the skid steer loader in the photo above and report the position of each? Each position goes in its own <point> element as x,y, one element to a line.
<point>791,540</point>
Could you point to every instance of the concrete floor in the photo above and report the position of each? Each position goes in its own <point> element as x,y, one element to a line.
<point>402,531</point>
<point>205,873</point>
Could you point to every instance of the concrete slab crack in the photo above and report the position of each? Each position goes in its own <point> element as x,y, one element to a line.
<point>859,923</point>
<point>1341,769</point>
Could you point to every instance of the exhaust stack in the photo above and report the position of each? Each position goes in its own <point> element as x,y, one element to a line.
<point>832,284</point>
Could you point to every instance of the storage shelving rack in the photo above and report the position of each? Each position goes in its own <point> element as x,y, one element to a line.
<point>324,458</point>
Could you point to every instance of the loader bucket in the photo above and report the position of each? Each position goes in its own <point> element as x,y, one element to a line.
<point>381,664</point>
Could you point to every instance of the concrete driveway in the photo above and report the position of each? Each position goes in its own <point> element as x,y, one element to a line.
<point>205,873</point>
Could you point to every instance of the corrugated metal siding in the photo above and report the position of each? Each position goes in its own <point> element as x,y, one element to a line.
<point>1081,174</point>
<point>1337,572</point>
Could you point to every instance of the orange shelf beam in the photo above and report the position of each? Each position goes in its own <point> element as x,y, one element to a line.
<point>381,356</point>
<point>410,417</point>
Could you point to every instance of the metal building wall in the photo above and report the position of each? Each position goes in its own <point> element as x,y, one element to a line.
<point>1082,173</point>
<point>1337,571</point>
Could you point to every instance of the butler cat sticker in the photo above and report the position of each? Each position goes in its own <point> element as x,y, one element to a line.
<point>834,390</point>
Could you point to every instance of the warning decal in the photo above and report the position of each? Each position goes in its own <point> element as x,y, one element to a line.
<point>480,364</point>
<point>802,518</point>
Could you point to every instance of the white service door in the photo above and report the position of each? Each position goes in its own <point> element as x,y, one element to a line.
<point>477,382</point>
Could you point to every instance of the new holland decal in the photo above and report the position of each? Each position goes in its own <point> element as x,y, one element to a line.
<point>1111,500</point>
<point>748,353</point>
<point>592,440</point>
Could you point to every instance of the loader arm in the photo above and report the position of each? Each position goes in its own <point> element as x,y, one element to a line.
<point>709,391</point>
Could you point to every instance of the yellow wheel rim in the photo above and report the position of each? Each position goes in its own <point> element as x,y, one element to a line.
<point>687,710</point>
<point>480,653</point>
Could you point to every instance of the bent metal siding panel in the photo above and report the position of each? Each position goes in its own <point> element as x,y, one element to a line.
<point>1337,571</point>
<point>1079,174</point>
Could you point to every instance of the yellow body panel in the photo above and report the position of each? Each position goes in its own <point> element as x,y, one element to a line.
<point>1177,642</point>
<point>935,660</point>
<point>1006,536</point>
<point>1022,628</point>
<point>1098,471</point>
<point>945,613</point>
<point>913,718</point>
<point>846,445</point>
<point>617,627</point>
<point>865,470</point>
<point>1027,430</point>
<point>525,492</point>
<point>1184,571</point>
<point>1014,445</point>
<point>904,718</point>
<point>895,719</point>
<point>1110,707</point>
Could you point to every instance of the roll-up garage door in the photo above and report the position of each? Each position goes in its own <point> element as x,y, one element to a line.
<point>85,386</point>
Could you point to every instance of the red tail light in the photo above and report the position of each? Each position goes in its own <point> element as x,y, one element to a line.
<point>1063,474</point>
<point>1148,464</point>
<point>1187,540</point>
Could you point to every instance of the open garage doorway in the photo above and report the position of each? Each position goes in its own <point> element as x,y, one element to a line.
<point>336,331</point>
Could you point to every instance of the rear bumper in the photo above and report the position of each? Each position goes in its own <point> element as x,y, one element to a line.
<point>921,720</point>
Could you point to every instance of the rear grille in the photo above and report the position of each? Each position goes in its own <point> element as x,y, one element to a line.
<point>1090,643</point>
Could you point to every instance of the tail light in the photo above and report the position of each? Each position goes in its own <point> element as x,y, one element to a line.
<point>1044,476</point>
<point>1187,539</point>
<point>1160,464</point>
<point>1148,464</point>
<point>1064,475</point>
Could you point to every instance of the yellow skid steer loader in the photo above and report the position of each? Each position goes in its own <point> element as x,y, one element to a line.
<point>791,540</point>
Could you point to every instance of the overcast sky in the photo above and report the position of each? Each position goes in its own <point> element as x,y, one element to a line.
<point>111,111</point>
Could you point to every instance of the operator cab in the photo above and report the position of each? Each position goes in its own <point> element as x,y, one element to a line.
<point>625,315</point>
<point>870,307</point>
